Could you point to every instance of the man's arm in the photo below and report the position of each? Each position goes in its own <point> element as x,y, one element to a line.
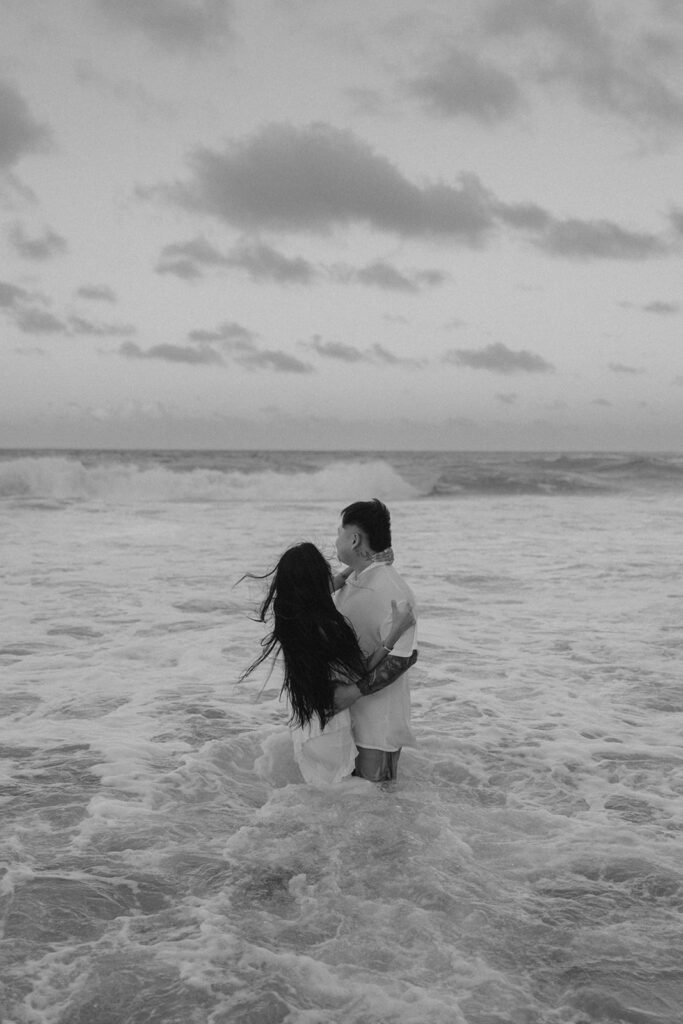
<point>387,672</point>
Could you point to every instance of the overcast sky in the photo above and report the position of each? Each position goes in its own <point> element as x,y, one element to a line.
<point>341,223</point>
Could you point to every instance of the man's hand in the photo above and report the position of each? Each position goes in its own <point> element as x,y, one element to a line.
<point>345,695</point>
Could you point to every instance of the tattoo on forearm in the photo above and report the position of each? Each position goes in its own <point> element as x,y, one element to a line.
<point>386,672</point>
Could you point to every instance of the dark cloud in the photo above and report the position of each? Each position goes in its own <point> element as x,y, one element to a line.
<point>188,259</point>
<point>339,350</point>
<point>622,368</point>
<point>463,84</point>
<point>193,355</point>
<point>19,132</point>
<point>29,311</point>
<point>33,320</point>
<point>270,359</point>
<point>239,343</point>
<point>260,261</point>
<point>174,24</point>
<point>96,292</point>
<point>80,325</point>
<point>316,178</point>
<point>506,397</point>
<point>573,21</point>
<point>603,402</point>
<point>662,308</point>
<point>41,247</point>
<point>383,355</point>
<point>598,239</point>
<point>233,334</point>
<point>525,216</point>
<point>350,354</point>
<point>319,177</point>
<point>11,295</point>
<point>584,52</point>
<point>381,274</point>
<point>263,263</point>
<point>378,274</point>
<point>498,359</point>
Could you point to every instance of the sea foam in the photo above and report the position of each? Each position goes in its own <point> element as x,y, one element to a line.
<point>66,479</point>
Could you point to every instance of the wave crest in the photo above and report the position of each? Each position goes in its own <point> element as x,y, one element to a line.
<point>67,479</point>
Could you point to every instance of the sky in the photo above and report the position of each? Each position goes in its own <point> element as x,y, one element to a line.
<point>333,225</point>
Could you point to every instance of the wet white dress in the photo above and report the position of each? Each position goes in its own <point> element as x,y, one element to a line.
<point>325,755</point>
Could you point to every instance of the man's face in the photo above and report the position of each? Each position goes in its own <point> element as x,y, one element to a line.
<point>346,535</point>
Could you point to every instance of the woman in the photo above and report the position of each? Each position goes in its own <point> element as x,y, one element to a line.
<point>320,650</point>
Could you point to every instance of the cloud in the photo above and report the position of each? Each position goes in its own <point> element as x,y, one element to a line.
<point>80,325</point>
<point>33,320</point>
<point>261,262</point>
<point>96,292</point>
<point>598,239</point>
<point>506,397</point>
<point>11,295</point>
<point>172,24</point>
<point>19,132</point>
<point>603,402</point>
<point>464,84</point>
<point>192,355</point>
<point>351,354</point>
<point>319,177</point>
<point>381,274</point>
<point>498,359</point>
<point>42,247</point>
<point>607,73</point>
<point>270,359</point>
<point>662,308</point>
<point>233,333</point>
<point>622,368</point>
<point>239,343</point>
<point>339,350</point>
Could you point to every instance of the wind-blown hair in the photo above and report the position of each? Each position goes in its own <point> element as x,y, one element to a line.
<point>318,645</point>
<point>373,518</point>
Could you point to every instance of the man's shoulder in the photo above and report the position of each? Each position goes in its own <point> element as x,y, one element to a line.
<point>387,580</point>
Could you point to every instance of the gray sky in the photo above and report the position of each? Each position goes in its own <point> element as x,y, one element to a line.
<point>307,223</point>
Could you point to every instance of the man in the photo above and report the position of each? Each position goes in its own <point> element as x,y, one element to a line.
<point>379,703</point>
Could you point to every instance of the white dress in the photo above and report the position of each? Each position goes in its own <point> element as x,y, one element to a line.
<point>325,755</point>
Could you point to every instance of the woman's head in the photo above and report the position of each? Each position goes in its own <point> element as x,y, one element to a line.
<point>318,645</point>
<point>302,581</point>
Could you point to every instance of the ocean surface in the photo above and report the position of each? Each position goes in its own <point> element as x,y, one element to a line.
<point>161,859</point>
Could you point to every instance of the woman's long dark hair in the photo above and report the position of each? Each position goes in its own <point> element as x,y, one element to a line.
<point>317,643</point>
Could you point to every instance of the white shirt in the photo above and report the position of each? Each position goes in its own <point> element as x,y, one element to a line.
<point>380,721</point>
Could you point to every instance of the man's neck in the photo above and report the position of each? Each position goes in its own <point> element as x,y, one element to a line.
<point>367,558</point>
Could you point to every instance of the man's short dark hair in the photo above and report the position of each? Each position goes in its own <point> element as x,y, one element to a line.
<point>372,517</point>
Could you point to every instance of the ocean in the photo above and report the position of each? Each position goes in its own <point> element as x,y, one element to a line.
<point>163,862</point>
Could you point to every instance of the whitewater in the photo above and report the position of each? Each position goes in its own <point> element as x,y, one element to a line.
<point>163,862</point>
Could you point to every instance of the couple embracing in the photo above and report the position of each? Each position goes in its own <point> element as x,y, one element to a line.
<point>347,643</point>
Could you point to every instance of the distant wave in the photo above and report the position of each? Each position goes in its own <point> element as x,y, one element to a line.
<point>64,478</point>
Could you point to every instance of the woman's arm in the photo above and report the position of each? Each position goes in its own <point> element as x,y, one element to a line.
<point>340,578</point>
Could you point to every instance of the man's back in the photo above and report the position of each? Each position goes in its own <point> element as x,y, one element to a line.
<point>380,720</point>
